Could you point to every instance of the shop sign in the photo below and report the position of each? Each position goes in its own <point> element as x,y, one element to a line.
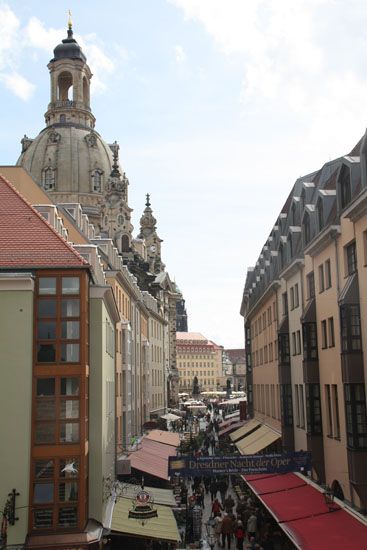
<point>277,463</point>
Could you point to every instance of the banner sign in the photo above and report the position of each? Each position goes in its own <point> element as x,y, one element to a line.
<point>278,463</point>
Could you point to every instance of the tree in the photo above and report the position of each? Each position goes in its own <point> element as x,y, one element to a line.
<point>195,386</point>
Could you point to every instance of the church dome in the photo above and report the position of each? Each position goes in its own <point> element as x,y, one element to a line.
<point>72,163</point>
<point>69,49</point>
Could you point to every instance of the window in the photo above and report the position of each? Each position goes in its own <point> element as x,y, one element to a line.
<point>335,411</point>
<point>310,352</point>
<point>356,416</point>
<point>313,409</point>
<point>291,297</point>
<point>55,493</point>
<point>271,351</point>
<point>57,410</point>
<point>97,181</point>
<point>350,320</point>
<point>327,274</point>
<point>294,344</point>
<point>286,404</point>
<point>281,256</point>
<point>345,187</point>
<point>310,285</point>
<point>331,337</point>
<point>306,228</point>
<point>320,214</point>
<point>301,407</point>
<point>351,258</point>
<point>48,179</point>
<point>290,246</point>
<point>285,303</point>
<point>298,342</point>
<point>284,353</point>
<point>323,335</point>
<point>329,417</point>
<point>296,295</point>
<point>58,320</point>
<point>297,406</point>
<point>321,278</point>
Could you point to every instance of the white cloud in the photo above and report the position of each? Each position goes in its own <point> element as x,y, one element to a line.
<point>180,55</point>
<point>19,85</point>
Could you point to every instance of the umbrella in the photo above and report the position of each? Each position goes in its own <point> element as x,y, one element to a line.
<point>171,417</point>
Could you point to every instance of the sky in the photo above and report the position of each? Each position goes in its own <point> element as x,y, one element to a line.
<point>218,107</point>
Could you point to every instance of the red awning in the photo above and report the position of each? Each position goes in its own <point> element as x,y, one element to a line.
<point>295,503</point>
<point>335,530</point>
<point>276,483</point>
<point>152,458</point>
<point>301,512</point>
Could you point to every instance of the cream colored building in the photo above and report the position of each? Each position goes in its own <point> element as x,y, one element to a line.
<point>198,356</point>
<point>314,265</point>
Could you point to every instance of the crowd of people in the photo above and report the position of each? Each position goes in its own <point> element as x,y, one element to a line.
<point>236,522</point>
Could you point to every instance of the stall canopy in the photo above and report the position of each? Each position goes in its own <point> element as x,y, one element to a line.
<point>170,417</point>
<point>246,429</point>
<point>166,438</point>
<point>257,440</point>
<point>152,458</point>
<point>163,527</point>
<point>301,511</point>
<point>226,428</point>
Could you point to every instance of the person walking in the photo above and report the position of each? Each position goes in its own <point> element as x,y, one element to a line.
<point>216,508</point>
<point>213,489</point>
<point>223,489</point>
<point>226,530</point>
<point>239,534</point>
<point>228,504</point>
<point>218,528</point>
<point>252,525</point>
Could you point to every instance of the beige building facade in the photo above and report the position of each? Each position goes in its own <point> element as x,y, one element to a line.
<point>314,265</point>
<point>197,357</point>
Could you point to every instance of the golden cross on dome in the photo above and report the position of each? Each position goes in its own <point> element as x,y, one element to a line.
<point>70,23</point>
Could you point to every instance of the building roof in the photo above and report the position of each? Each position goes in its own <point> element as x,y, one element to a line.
<point>168,438</point>
<point>27,239</point>
<point>190,336</point>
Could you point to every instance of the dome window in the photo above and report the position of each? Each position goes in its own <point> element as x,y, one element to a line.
<point>48,179</point>
<point>97,181</point>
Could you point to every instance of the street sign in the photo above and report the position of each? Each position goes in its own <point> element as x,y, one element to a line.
<point>277,463</point>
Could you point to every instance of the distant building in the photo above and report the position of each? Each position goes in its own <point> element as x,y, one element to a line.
<point>237,358</point>
<point>181,313</point>
<point>198,356</point>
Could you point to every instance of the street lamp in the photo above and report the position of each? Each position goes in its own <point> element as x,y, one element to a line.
<point>329,498</point>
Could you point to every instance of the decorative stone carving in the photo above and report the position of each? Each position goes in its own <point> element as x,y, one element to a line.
<point>26,142</point>
<point>91,139</point>
<point>54,137</point>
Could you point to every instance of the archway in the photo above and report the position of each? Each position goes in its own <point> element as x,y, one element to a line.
<point>65,86</point>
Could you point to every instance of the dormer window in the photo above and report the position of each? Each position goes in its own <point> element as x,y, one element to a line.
<point>303,199</point>
<point>97,181</point>
<point>290,246</point>
<point>281,256</point>
<point>320,214</point>
<point>306,228</point>
<point>294,214</point>
<point>48,179</point>
<point>345,186</point>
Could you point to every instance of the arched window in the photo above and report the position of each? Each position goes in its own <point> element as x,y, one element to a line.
<point>125,244</point>
<point>62,118</point>
<point>65,87</point>
<point>345,187</point>
<point>320,214</point>
<point>97,181</point>
<point>120,219</point>
<point>306,228</point>
<point>48,178</point>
